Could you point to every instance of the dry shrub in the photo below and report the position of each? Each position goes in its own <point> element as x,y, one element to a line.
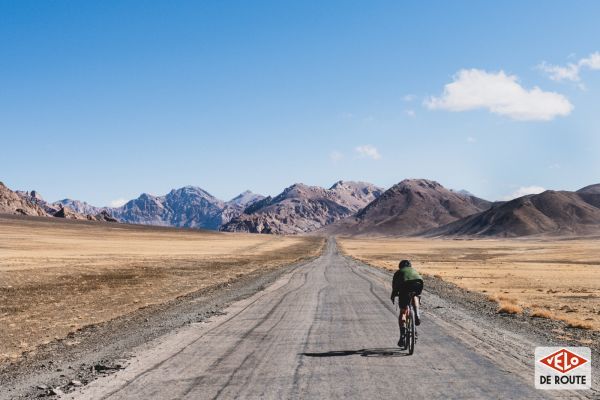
<point>509,308</point>
<point>576,323</point>
<point>539,313</point>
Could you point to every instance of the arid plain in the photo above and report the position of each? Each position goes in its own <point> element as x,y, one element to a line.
<point>544,278</point>
<point>58,276</point>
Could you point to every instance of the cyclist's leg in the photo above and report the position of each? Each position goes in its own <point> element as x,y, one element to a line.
<point>403,301</point>
<point>401,326</point>
<point>418,288</point>
<point>417,304</point>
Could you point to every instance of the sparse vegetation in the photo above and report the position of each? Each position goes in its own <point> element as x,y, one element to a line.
<point>539,313</point>
<point>576,323</point>
<point>56,277</point>
<point>509,308</point>
<point>557,279</point>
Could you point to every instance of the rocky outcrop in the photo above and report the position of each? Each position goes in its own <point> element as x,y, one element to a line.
<point>13,203</point>
<point>80,207</point>
<point>104,216</point>
<point>32,203</point>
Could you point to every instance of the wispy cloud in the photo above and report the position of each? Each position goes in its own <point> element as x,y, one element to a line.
<point>368,151</point>
<point>500,94</point>
<point>571,71</point>
<point>336,156</point>
<point>523,191</point>
<point>408,98</point>
<point>410,113</point>
<point>118,202</point>
<point>471,139</point>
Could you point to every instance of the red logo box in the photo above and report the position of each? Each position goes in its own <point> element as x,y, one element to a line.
<point>563,361</point>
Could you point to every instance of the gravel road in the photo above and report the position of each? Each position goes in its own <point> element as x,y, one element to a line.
<point>327,329</point>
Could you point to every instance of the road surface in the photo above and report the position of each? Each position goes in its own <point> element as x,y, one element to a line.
<point>326,330</point>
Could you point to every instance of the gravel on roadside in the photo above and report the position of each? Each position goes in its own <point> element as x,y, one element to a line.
<point>97,350</point>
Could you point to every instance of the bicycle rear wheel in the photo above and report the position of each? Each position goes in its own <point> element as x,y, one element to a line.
<point>410,330</point>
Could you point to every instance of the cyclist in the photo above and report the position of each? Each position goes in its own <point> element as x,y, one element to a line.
<point>405,281</point>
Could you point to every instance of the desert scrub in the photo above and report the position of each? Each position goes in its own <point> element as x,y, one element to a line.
<point>539,313</point>
<point>509,308</point>
<point>576,323</point>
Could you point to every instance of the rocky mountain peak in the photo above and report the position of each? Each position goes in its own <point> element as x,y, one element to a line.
<point>301,208</point>
<point>245,199</point>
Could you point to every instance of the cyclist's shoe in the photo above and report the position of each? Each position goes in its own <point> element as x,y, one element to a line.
<point>401,341</point>
<point>417,319</point>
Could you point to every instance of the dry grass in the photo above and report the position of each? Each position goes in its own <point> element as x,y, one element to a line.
<point>509,308</point>
<point>561,277</point>
<point>56,277</point>
<point>576,323</point>
<point>539,313</point>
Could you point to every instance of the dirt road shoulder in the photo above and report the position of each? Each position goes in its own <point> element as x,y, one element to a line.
<point>100,349</point>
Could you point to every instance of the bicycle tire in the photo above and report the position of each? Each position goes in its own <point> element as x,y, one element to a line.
<point>410,331</point>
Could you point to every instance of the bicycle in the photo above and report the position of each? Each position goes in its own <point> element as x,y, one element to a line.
<point>410,330</point>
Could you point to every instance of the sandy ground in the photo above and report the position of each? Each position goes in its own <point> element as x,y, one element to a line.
<point>57,277</point>
<point>558,279</point>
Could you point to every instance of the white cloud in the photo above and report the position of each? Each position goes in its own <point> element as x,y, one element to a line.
<point>571,71</point>
<point>557,73</point>
<point>118,202</point>
<point>408,98</point>
<point>368,151</point>
<point>471,139</point>
<point>500,94</point>
<point>523,191</point>
<point>410,113</point>
<point>335,156</point>
<point>591,62</point>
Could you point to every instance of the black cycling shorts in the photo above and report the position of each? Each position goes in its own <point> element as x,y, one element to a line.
<point>406,288</point>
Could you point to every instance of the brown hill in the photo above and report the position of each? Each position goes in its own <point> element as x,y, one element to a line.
<point>591,189</point>
<point>301,208</point>
<point>410,207</point>
<point>12,203</point>
<point>558,213</point>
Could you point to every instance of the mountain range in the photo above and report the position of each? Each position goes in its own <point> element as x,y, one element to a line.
<point>33,204</point>
<point>413,207</point>
<point>301,208</point>
<point>189,207</point>
<point>410,207</point>
<point>558,213</point>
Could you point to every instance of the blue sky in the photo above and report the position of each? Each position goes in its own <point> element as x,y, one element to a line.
<point>101,101</point>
